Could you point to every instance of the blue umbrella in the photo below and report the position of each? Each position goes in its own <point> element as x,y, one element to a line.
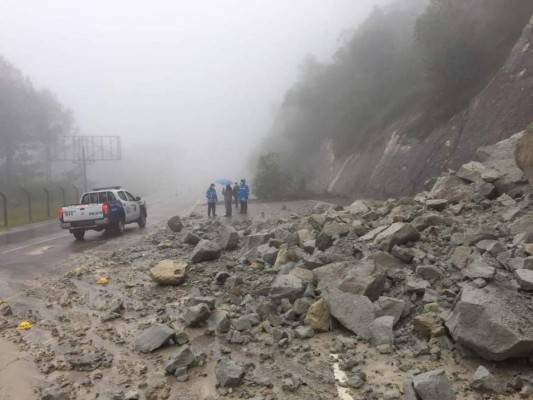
<point>223,181</point>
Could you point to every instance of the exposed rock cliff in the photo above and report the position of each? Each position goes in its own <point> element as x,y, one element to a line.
<point>400,164</point>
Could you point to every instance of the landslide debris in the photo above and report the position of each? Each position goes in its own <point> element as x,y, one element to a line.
<point>428,297</point>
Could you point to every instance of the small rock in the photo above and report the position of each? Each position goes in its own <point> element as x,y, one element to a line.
<point>184,357</point>
<point>317,316</point>
<point>175,224</point>
<point>169,272</point>
<point>436,204</point>
<point>482,379</point>
<point>304,332</point>
<point>381,331</point>
<point>433,385</point>
<point>154,337</point>
<point>193,316</point>
<point>461,256</point>
<point>524,278</point>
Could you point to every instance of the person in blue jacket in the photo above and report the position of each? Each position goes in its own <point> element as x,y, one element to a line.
<point>244,193</point>
<point>212,199</point>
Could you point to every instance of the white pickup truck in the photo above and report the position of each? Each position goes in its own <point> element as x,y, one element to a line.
<point>108,208</point>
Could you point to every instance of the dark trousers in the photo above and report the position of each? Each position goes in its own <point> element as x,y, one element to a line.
<point>228,205</point>
<point>236,202</point>
<point>244,207</point>
<point>211,208</point>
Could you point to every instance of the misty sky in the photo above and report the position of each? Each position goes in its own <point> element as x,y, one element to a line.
<point>200,78</point>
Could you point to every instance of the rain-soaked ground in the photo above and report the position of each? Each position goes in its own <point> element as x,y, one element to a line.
<point>50,278</point>
<point>79,346</point>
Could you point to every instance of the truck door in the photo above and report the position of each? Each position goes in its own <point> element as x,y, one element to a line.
<point>136,212</point>
<point>126,204</point>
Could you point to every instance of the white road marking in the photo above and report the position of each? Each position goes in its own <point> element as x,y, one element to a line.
<point>344,393</point>
<point>267,206</point>
<point>193,207</point>
<point>33,244</point>
<point>322,202</point>
<point>40,250</point>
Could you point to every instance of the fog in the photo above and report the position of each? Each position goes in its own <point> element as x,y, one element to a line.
<point>190,86</point>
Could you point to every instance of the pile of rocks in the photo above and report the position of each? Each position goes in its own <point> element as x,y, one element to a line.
<point>323,299</point>
<point>449,270</point>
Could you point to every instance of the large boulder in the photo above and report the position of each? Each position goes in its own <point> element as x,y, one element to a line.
<point>323,241</point>
<point>205,250</point>
<point>524,278</point>
<point>501,157</point>
<point>169,272</point>
<point>389,306</point>
<point>317,221</point>
<point>475,171</point>
<point>334,228</point>
<point>229,238</point>
<point>452,188</point>
<point>354,312</point>
<point>251,242</point>
<point>303,236</point>
<point>479,268</point>
<point>522,225</point>
<point>396,234</point>
<point>366,277</point>
<point>524,154</point>
<point>175,224</point>
<point>493,321</point>
<point>267,253</point>
<point>359,207</point>
<point>287,287</point>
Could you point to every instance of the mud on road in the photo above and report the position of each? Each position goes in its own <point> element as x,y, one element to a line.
<point>75,348</point>
<point>84,344</point>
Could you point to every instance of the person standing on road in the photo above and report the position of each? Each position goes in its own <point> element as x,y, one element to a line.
<point>236,194</point>
<point>244,193</point>
<point>212,199</point>
<point>228,199</point>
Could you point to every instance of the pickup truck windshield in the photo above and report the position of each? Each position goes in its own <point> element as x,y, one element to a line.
<point>97,197</point>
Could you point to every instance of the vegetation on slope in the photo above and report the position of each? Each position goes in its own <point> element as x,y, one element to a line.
<point>416,57</point>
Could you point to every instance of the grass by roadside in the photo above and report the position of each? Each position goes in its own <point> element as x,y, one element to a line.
<point>19,215</point>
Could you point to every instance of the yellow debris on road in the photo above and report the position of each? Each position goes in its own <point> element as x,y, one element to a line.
<point>24,325</point>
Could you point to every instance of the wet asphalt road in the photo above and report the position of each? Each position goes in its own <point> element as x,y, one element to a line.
<point>39,250</point>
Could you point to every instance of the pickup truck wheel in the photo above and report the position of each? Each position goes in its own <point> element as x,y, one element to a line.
<point>142,221</point>
<point>79,234</point>
<point>119,227</point>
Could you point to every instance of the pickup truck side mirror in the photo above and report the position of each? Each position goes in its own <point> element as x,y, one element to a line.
<point>138,198</point>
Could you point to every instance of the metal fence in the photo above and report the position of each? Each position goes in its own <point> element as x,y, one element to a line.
<point>29,199</point>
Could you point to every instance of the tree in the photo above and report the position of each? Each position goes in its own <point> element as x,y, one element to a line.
<point>463,43</point>
<point>30,122</point>
<point>267,183</point>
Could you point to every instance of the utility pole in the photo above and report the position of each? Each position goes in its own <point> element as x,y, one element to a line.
<point>84,164</point>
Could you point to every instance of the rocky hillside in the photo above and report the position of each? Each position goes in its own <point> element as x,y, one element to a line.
<point>400,162</point>
<point>420,298</point>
